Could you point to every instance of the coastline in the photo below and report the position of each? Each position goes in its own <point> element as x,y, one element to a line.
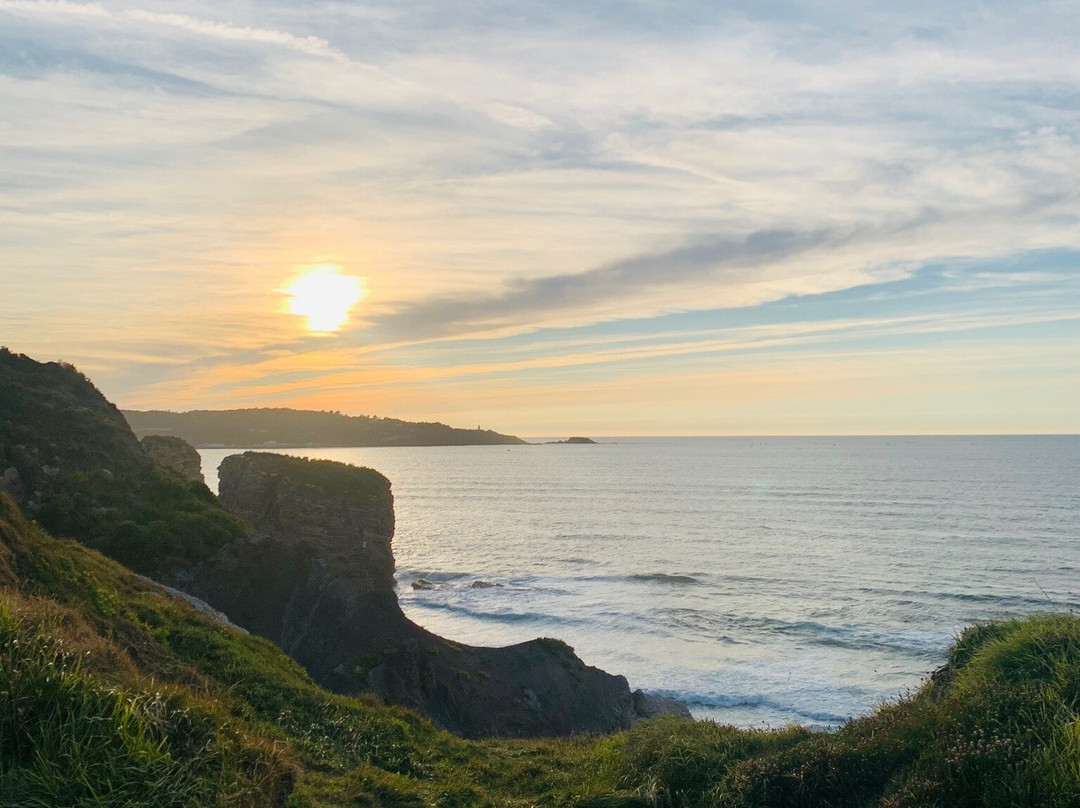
<point>639,573</point>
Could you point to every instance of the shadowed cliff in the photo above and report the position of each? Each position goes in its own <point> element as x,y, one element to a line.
<point>316,577</point>
<point>68,458</point>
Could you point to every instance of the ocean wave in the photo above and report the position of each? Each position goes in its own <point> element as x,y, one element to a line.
<point>923,645</point>
<point>678,579</point>
<point>408,576</point>
<point>449,584</point>
<point>756,701</point>
<point>1024,602</point>
<point>503,617</point>
<point>664,578</point>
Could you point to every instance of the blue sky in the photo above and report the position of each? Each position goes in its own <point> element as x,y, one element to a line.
<point>601,218</point>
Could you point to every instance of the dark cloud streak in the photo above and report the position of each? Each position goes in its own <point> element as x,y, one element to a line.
<point>716,261</point>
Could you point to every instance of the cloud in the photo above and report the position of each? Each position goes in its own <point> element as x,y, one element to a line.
<point>976,281</point>
<point>500,171</point>
<point>721,272</point>
<point>310,45</point>
<point>724,262</point>
<point>55,7</point>
<point>304,44</point>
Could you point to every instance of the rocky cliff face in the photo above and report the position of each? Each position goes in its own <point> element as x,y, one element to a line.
<point>317,575</point>
<point>175,454</point>
<point>317,579</point>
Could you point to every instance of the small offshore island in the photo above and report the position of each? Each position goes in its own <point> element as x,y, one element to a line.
<point>162,646</point>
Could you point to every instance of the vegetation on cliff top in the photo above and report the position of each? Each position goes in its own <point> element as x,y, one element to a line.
<point>354,483</point>
<point>112,694</point>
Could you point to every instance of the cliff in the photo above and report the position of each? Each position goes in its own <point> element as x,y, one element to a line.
<point>315,575</point>
<point>316,578</point>
<point>268,427</point>
<point>69,459</point>
<point>176,455</point>
<point>119,693</point>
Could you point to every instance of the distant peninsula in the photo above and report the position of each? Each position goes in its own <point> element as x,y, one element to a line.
<point>283,427</point>
<point>579,441</point>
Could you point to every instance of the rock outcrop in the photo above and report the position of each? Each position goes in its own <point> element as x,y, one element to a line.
<point>198,604</point>
<point>316,578</point>
<point>175,454</point>
<point>317,575</point>
<point>650,706</point>
<point>11,484</point>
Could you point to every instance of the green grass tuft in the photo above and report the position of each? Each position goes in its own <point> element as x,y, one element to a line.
<point>70,738</point>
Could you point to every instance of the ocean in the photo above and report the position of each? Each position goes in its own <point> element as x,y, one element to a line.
<point>763,581</point>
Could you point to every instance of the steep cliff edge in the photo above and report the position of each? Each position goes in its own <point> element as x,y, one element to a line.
<point>316,578</point>
<point>317,575</point>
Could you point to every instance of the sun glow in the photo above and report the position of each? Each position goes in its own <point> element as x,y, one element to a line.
<point>324,296</point>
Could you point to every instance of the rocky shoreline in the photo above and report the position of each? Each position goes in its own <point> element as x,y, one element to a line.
<point>317,578</point>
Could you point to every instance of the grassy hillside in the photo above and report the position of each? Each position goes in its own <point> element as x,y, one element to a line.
<point>286,427</point>
<point>112,694</point>
<point>84,475</point>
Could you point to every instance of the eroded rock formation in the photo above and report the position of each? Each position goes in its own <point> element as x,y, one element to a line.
<point>316,578</point>
<point>176,455</point>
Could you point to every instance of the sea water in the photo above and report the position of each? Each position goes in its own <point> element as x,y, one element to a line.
<point>760,580</point>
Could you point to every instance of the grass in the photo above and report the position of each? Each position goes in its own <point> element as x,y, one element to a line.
<point>113,694</point>
<point>70,737</point>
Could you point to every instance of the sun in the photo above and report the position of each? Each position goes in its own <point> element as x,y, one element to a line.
<point>324,295</point>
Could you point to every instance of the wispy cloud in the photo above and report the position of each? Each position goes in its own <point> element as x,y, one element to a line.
<point>304,44</point>
<point>208,28</point>
<point>719,261</point>
<point>538,171</point>
<point>54,7</point>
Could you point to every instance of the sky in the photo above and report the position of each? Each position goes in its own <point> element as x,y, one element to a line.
<point>553,217</point>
